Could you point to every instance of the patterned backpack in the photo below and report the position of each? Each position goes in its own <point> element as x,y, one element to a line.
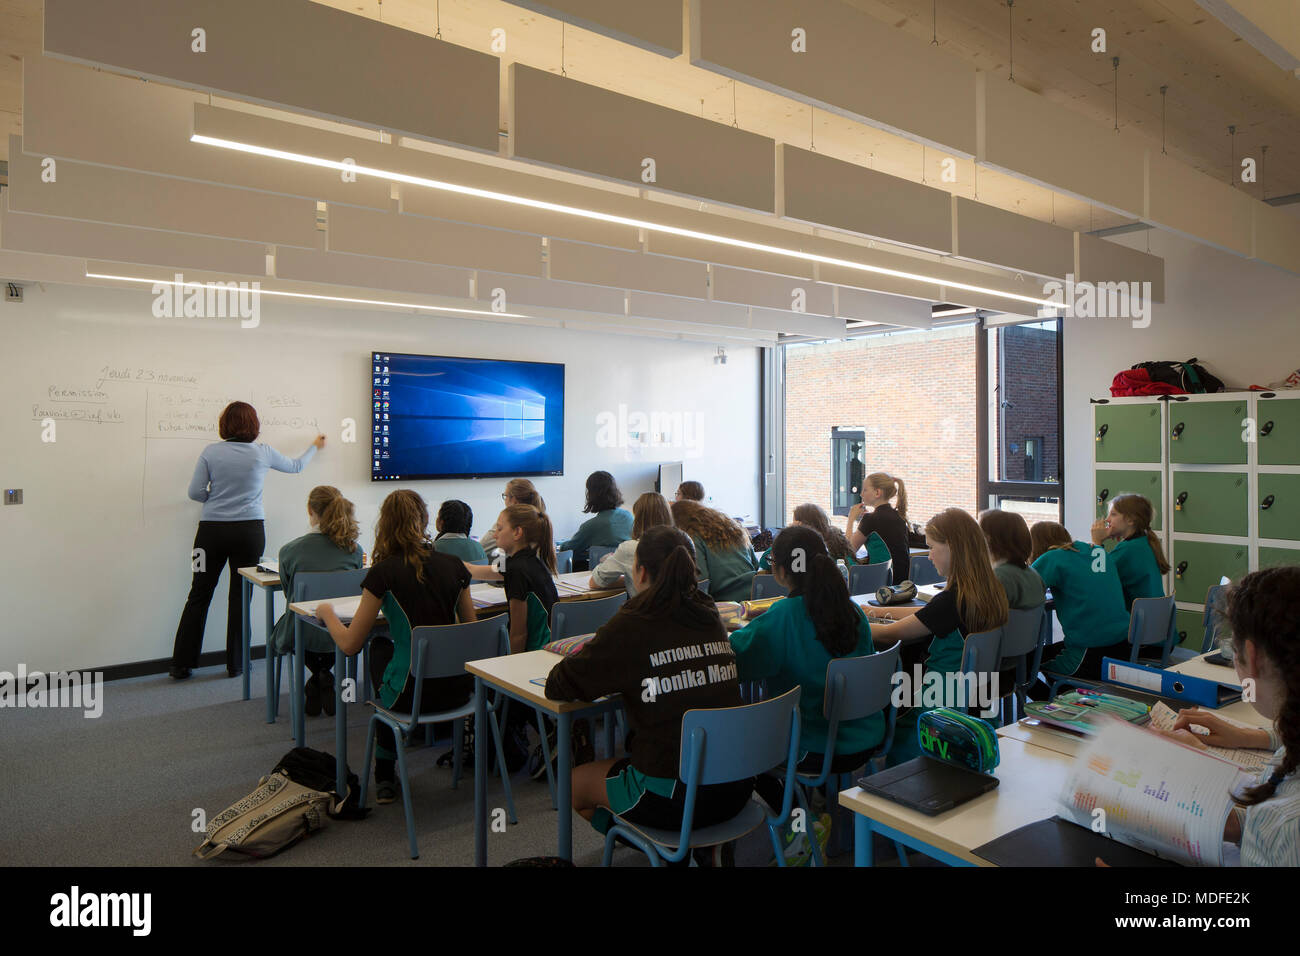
<point>276,815</point>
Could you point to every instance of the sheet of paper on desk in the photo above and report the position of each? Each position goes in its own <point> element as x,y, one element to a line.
<point>565,587</point>
<point>273,567</point>
<point>345,608</point>
<point>1253,761</point>
<point>1157,795</point>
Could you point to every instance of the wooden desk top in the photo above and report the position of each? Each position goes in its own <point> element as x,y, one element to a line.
<point>516,672</point>
<point>263,579</point>
<point>1032,779</point>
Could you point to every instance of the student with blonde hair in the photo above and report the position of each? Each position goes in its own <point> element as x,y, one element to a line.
<point>1138,557</point>
<point>526,540</point>
<point>884,529</point>
<point>723,553</point>
<point>331,545</point>
<point>649,511</point>
<point>519,491</point>
<point>972,601</point>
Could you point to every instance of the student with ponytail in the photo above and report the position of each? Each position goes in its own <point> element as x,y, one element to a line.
<point>811,516</point>
<point>1138,557</point>
<point>415,586</point>
<point>526,540</point>
<point>519,491</point>
<point>972,601</point>
<point>1263,612</point>
<point>1089,603</point>
<point>791,643</point>
<point>669,621</point>
<point>331,545</point>
<point>884,529</point>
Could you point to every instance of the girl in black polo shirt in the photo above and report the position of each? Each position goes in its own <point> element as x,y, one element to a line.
<point>668,622</point>
<point>415,586</point>
<point>884,529</point>
<point>528,546</point>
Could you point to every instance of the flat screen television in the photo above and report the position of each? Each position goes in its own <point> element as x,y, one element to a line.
<point>670,478</point>
<point>438,416</point>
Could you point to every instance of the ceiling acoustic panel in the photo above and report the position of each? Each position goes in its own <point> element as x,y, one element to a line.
<point>125,198</point>
<point>792,323</point>
<point>1277,236</point>
<point>677,309</point>
<point>547,293</point>
<point>292,53</point>
<point>830,192</point>
<point>393,236</point>
<point>857,305</point>
<point>1183,200</point>
<point>998,237</point>
<point>72,112</point>
<point>654,25</point>
<point>1103,261</point>
<point>1030,136</point>
<point>576,262</point>
<point>561,122</point>
<point>827,53</point>
<point>368,272</point>
<point>771,292</point>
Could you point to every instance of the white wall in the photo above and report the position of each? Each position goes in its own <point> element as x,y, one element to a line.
<point>1240,318</point>
<point>95,563</point>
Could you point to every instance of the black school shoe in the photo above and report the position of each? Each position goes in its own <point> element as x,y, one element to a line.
<point>325,687</point>
<point>311,700</point>
<point>180,673</point>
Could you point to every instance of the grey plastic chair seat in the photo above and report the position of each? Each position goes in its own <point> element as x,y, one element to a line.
<point>748,820</point>
<point>766,586</point>
<point>868,578</point>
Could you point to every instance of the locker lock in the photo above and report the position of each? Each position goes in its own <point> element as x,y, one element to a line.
<point>1180,501</point>
<point>1265,428</point>
<point>1178,430</point>
<point>1102,496</point>
<point>1101,432</point>
<point>1182,567</point>
<point>1266,503</point>
<point>1182,636</point>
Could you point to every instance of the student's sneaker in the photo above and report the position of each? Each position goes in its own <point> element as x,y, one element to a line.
<point>798,848</point>
<point>386,791</point>
<point>311,698</point>
<point>537,755</point>
<point>822,833</point>
<point>325,688</point>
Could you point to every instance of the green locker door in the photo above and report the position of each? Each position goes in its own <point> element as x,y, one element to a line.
<point>1191,629</point>
<point>1279,431</point>
<point>1211,503</point>
<point>1112,482</point>
<point>1127,432</point>
<point>1277,557</point>
<point>1202,563</point>
<point>1279,506</point>
<point>1207,433</point>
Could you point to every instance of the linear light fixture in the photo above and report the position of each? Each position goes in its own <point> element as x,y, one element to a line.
<point>956,310</point>
<point>310,295</point>
<point>397,177</point>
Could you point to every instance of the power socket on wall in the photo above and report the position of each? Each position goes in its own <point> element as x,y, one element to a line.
<point>13,496</point>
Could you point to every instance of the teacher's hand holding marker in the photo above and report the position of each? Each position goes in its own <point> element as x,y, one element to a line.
<point>228,481</point>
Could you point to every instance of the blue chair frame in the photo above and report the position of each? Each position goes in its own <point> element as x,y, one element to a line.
<point>442,651</point>
<point>1023,638</point>
<point>766,586</point>
<point>923,570</point>
<point>980,654</point>
<point>750,739</point>
<point>868,578</point>
<point>595,553</point>
<point>1151,621</point>
<point>563,562</point>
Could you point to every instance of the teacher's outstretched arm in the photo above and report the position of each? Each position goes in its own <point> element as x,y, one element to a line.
<point>294,465</point>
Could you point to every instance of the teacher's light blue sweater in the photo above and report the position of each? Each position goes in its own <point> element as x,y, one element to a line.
<point>229,474</point>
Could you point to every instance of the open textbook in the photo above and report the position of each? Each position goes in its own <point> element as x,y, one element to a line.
<point>1252,761</point>
<point>1155,794</point>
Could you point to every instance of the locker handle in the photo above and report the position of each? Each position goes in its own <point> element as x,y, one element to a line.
<point>1182,567</point>
<point>1178,430</point>
<point>1102,496</point>
<point>1266,503</point>
<point>1101,432</point>
<point>1266,428</point>
<point>1182,500</point>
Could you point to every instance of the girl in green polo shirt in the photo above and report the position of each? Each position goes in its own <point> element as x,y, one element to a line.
<point>722,550</point>
<point>609,525</point>
<point>1138,557</point>
<point>1089,602</point>
<point>452,524</point>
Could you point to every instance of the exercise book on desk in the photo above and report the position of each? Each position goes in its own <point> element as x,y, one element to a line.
<point>1252,761</point>
<point>1156,796</point>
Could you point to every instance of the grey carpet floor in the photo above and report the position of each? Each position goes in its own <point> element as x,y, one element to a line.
<point>122,789</point>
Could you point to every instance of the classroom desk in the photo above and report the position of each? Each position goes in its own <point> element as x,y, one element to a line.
<point>513,676</point>
<point>1240,712</point>
<point>269,582</point>
<point>571,586</point>
<point>1031,778</point>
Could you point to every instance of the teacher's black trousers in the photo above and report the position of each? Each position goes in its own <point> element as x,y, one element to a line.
<point>217,544</point>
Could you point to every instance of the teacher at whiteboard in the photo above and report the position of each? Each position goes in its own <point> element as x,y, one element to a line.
<point>228,480</point>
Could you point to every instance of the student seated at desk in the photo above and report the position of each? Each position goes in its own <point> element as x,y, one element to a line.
<point>331,545</point>
<point>722,550</point>
<point>669,619</point>
<point>524,537</point>
<point>1139,558</point>
<point>650,511</point>
<point>609,525</point>
<point>972,601</point>
<point>791,644</point>
<point>1264,613</point>
<point>690,491</point>
<point>884,529</point>
<point>519,491</point>
<point>453,524</point>
<point>1010,546</point>
<point>811,516</point>
<point>415,586</point>
<point>1089,603</point>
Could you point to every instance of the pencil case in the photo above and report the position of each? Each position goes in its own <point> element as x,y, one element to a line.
<point>958,738</point>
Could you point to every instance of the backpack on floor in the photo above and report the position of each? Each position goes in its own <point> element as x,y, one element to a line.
<point>276,815</point>
<point>315,770</point>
